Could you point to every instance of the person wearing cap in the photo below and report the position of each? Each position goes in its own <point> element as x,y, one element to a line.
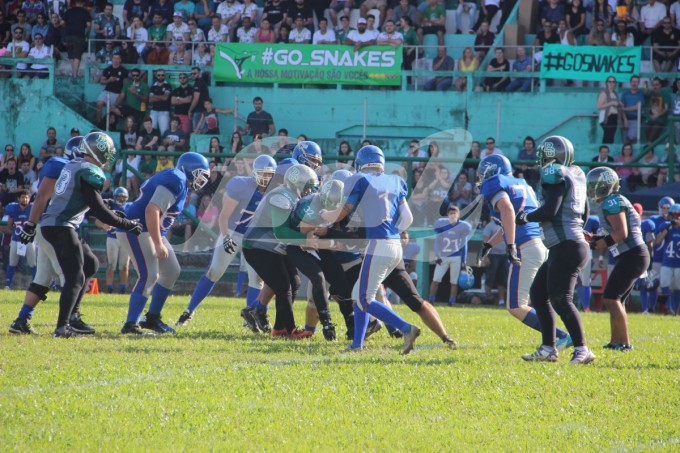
<point>75,132</point>
<point>177,30</point>
<point>360,37</point>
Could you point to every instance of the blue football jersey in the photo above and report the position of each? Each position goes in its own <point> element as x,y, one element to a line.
<point>116,207</point>
<point>522,197</point>
<point>172,179</point>
<point>452,242</point>
<point>52,168</point>
<point>592,224</point>
<point>244,190</point>
<point>671,251</point>
<point>376,197</point>
<point>648,228</point>
<point>661,225</point>
<point>19,215</point>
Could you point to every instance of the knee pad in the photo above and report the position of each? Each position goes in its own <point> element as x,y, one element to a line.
<point>39,290</point>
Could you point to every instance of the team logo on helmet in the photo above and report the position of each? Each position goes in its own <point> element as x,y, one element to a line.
<point>294,175</point>
<point>549,149</point>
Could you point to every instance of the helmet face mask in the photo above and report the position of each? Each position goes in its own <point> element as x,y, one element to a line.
<point>195,168</point>
<point>601,182</point>
<point>555,149</point>
<point>493,165</point>
<point>664,206</point>
<point>674,213</point>
<point>301,180</point>
<point>121,195</point>
<point>308,153</point>
<point>264,168</point>
<point>74,147</point>
<point>331,194</point>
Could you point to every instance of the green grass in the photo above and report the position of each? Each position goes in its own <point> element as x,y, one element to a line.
<point>215,386</point>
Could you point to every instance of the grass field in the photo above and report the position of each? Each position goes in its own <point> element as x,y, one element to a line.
<point>216,386</point>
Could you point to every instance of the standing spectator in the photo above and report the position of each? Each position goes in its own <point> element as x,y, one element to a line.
<point>483,41</point>
<point>149,137</point>
<point>246,33</point>
<point>300,34</point>
<point>658,108</point>
<point>420,195</point>
<point>576,18</point>
<point>209,122</point>
<point>442,63</point>
<point>360,37</point>
<point>181,99</point>
<point>133,97</point>
<point>39,51</point>
<point>324,35</point>
<point>106,26</point>
<point>433,21</point>
<point>265,33</point>
<point>498,64</point>
<point>603,155</point>
<point>201,56</point>
<point>129,134</point>
<point>489,8</point>
<point>11,183</point>
<point>470,168</point>
<point>633,99</point>
<point>259,121</point>
<point>203,13</point>
<point>344,29</point>
<point>523,63</point>
<point>135,8</point>
<point>159,102</point>
<point>52,142</point>
<point>303,9</point>
<point>490,148</point>
<point>665,46</point>
<point>651,16</point>
<point>18,48</point>
<point>199,97</point>
<point>112,79</point>
<point>496,265</point>
<point>174,138</point>
<point>528,172</point>
<point>610,110</point>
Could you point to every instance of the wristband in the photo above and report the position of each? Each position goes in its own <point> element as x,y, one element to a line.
<point>609,240</point>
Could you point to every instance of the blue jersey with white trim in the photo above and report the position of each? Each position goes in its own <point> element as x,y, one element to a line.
<point>522,197</point>
<point>647,227</point>
<point>52,168</point>
<point>19,215</point>
<point>592,224</point>
<point>671,250</point>
<point>452,242</point>
<point>661,225</point>
<point>244,190</point>
<point>376,197</point>
<point>173,180</point>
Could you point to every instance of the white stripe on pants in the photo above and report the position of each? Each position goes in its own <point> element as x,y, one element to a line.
<point>143,253</point>
<point>380,258</point>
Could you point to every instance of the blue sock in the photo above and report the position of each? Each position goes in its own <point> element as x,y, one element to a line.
<point>26,312</point>
<point>203,288</point>
<point>137,303</point>
<point>584,295</point>
<point>239,282</point>
<point>259,306</point>
<point>430,298</point>
<point>531,320</point>
<point>310,328</point>
<point>33,269</point>
<point>452,300</point>
<point>360,325</point>
<point>11,270</point>
<point>251,297</point>
<point>123,288</point>
<point>651,300</point>
<point>109,288</point>
<point>675,300</point>
<point>159,294</point>
<point>644,295</point>
<point>389,316</point>
<point>666,291</point>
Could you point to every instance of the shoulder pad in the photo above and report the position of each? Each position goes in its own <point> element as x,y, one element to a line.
<point>613,204</point>
<point>552,174</point>
<point>465,226</point>
<point>94,176</point>
<point>491,187</point>
<point>281,201</point>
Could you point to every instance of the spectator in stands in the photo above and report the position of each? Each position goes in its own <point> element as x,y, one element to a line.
<point>371,26</point>
<point>657,110</point>
<point>404,9</point>
<point>304,10</point>
<point>157,32</point>
<point>40,26</point>
<point>133,97</point>
<point>665,46</point>
<point>200,95</point>
<point>246,33</point>
<point>265,33</point>
<point>414,150</point>
<point>181,56</point>
<point>177,30</point>
<point>390,36</point>
<point>284,34</point>
<point>410,42</point>
<point>674,11</point>
<point>181,99</point>
<point>39,51</point>
<point>610,111</point>
<point>106,26</point>
<point>442,63</point>
<point>5,29</point>
<point>470,168</point>
<point>344,29</point>
<point>18,48</point>
<point>201,56</point>
<point>158,55</point>
<point>218,32</point>
<point>230,12</point>
<point>483,41</point>
<point>109,123</point>
<point>553,12</point>
<point>185,7</point>
<point>420,195</point>
<point>138,34</point>
<point>622,36</point>
<point>663,171</point>
<point>203,13</point>
<point>174,138</point>
<point>633,100</point>
<point>195,33</point>
<point>602,10</point>
<point>529,172</point>
<point>183,225</point>
<point>468,63</point>
<point>625,157</point>
<point>249,10</point>
<point>259,121</point>
<point>651,16</point>
<point>128,52</point>
<point>547,34</point>
<point>461,191</point>
<point>468,7</point>
<point>159,102</point>
<point>490,148</point>
<point>368,5</point>
<point>129,134</point>
<point>345,150</point>
<point>164,8</point>
<point>498,64</point>
<point>282,145</point>
<point>147,166</point>
<point>105,54</point>
<point>214,147</point>
<point>9,154</point>
<point>324,35</point>
<point>433,21</point>
<point>275,11</point>
<point>135,8</point>
<point>213,180</point>
<point>26,155</point>
<point>52,142</point>
<point>523,63</point>
<point>649,174</point>
<point>163,163</point>
<point>489,8</point>
<point>236,144</point>
<point>603,155</point>
<point>209,122</point>
<point>149,137</point>
<point>55,35</point>
<point>576,18</point>
<point>22,23</point>
<point>629,13</point>
<point>300,34</point>
<point>29,175</point>
<point>12,183</point>
<point>566,36</point>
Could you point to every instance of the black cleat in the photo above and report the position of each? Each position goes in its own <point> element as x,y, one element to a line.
<point>329,332</point>
<point>449,342</point>
<point>373,327</point>
<point>153,322</point>
<point>79,326</point>
<point>133,328</point>
<point>185,318</point>
<point>249,320</point>
<point>22,327</point>
<point>395,333</point>
<point>63,332</point>
<point>261,318</point>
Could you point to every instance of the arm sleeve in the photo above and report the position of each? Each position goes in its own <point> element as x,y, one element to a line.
<point>163,198</point>
<point>97,207</point>
<point>282,228</point>
<point>553,195</point>
<point>463,253</point>
<point>405,217</point>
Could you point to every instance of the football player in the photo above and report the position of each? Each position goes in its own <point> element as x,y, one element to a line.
<point>670,263</point>
<point>649,237</point>
<point>18,213</point>
<point>661,221</point>
<point>116,256</point>
<point>583,288</point>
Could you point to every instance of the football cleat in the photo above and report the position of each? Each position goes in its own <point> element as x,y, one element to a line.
<point>63,332</point>
<point>153,322</point>
<point>185,318</point>
<point>133,328</point>
<point>22,327</point>
<point>582,356</point>
<point>281,332</point>
<point>610,345</point>
<point>394,332</point>
<point>564,343</point>
<point>249,319</point>
<point>410,339</point>
<point>329,332</point>
<point>449,342</point>
<point>301,334</point>
<point>350,349</point>
<point>373,326</point>
<point>624,347</point>
<point>541,354</point>
<point>262,320</point>
<point>79,326</point>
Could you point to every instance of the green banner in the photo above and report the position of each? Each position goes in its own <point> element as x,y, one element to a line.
<point>307,63</point>
<point>590,62</point>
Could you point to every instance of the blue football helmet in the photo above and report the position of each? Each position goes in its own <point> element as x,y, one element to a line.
<point>73,149</point>
<point>308,153</point>
<point>674,212</point>
<point>284,165</point>
<point>195,167</point>
<point>664,204</point>
<point>370,156</point>
<point>466,279</point>
<point>264,167</point>
<point>341,175</point>
<point>121,195</point>
<point>493,165</point>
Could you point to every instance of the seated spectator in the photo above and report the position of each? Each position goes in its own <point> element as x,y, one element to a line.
<point>523,63</point>
<point>201,56</point>
<point>483,41</point>
<point>26,155</point>
<point>41,26</point>
<point>469,168</point>
<point>129,134</point>
<point>603,155</point>
<point>498,64</point>
<point>344,29</point>
<point>17,48</point>
<point>284,35</point>
<point>158,28</point>
<point>29,175</point>
<point>650,16</point>
<point>9,154</point>
<point>404,9</point>
<point>178,30</point>
<point>566,36</point>
<point>275,12</point>
<point>185,7</point>
<point>442,63</point>
<point>183,225</point>
<point>128,52</point>
<point>599,36</point>
<point>468,63</point>
<point>345,150</point>
<point>625,157</point>
<point>174,138</point>
<point>649,174</point>
<point>304,10</point>
<point>415,151</point>
<point>213,180</point>
<point>52,142</point>
<point>218,31</point>
<point>461,191</point>
<point>622,37</point>
<point>138,34</point>
<point>324,35</point>
<point>371,26</point>
<point>631,16</point>
<point>433,21</point>
<point>249,11</point>
<point>576,18</point>
<point>368,5</point>
<point>665,46</point>
<point>489,8</point>
<point>203,13</point>
<point>547,34</point>
<point>265,33</point>
<point>602,10</point>
<point>158,55</point>
<point>181,56</point>
<point>135,8</point>
<point>490,148</point>
<point>195,33</point>
<point>300,34</point>
<point>236,144</point>
<point>246,33</point>
<point>105,54</point>
<point>163,163</point>
<point>390,37</point>
<point>147,166</point>
<point>527,171</point>
<point>39,51</point>
<point>553,11</point>
<point>149,137</point>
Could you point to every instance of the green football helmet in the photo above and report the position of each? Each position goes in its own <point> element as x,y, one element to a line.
<point>100,147</point>
<point>555,149</point>
<point>332,194</point>
<point>601,182</point>
<point>301,180</point>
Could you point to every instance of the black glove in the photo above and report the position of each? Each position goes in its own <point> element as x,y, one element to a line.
<point>593,241</point>
<point>229,245</point>
<point>521,218</point>
<point>132,226</point>
<point>27,233</point>
<point>483,253</point>
<point>511,250</point>
<point>438,261</point>
<point>120,214</point>
<point>109,202</point>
